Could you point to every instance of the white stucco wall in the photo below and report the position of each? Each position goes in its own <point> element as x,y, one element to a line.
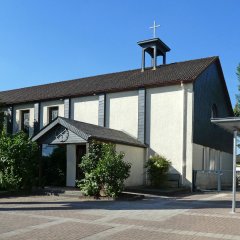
<point>189,131</point>
<point>17,117</point>
<point>122,112</point>
<point>44,111</point>
<point>85,109</point>
<point>165,116</point>
<point>135,156</point>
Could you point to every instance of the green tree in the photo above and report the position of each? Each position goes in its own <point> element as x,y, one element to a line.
<point>112,170</point>
<point>90,160</point>
<point>18,162</point>
<point>237,106</point>
<point>104,170</point>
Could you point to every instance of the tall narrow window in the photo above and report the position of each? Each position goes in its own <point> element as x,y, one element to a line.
<point>52,113</point>
<point>214,113</point>
<point>25,115</point>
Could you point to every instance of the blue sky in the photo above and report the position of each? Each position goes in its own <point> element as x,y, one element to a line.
<point>53,40</point>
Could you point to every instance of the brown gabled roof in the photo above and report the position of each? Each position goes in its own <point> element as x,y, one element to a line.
<point>89,132</point>
<point>168,74</point>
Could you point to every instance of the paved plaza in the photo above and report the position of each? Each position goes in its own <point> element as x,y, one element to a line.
<point>198,216</point>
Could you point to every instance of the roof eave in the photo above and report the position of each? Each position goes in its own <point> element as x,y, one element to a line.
<point>150,85</point>
<point>118,142</point>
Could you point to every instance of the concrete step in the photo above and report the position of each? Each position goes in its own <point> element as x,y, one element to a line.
<point>76,193</point>
<point>157,191</point>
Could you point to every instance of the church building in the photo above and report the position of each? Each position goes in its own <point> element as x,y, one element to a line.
<point>162,109</point>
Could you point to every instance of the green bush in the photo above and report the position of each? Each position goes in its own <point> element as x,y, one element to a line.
<point>90,186</point>
<point>104,170</point>
<point>9,181</point>
<point>157,167</point>
<point>19,158</point>
<point>90,160</point>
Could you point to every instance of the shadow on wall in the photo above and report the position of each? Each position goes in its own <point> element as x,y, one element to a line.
<point>208,179</point>
<point>151,152</point>
<point>172,171</point>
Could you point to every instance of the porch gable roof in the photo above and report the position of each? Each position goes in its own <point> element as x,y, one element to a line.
<point>88,132</point>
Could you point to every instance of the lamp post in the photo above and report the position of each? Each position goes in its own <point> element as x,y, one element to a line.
<point>234,171</point>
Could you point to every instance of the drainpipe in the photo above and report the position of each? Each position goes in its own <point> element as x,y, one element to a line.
<point>184,132</point>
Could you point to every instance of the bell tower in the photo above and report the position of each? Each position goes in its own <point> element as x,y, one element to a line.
<point>154,47</point>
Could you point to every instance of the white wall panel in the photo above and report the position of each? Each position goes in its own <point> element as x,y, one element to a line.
<point>122,112</point>
<point>85,109</point>
<point>135,156</point>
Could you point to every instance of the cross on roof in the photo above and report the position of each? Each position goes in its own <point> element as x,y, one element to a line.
<point>154,28</point>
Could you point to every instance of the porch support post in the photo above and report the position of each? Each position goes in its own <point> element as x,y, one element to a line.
<point>234,171</point>
<point>40,167</point>
<point>87,148</point>
<point>71,165</point>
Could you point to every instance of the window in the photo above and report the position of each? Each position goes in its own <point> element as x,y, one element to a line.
<point>25,115</point>
<point>214,113</point>
<point>52,113</point>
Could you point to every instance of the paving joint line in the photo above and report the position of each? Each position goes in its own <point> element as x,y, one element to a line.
<point>189,233</point>
<point>30,228</point>
<point>211,215</point>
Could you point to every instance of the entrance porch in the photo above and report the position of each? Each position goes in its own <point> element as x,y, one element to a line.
<point>78,135</point>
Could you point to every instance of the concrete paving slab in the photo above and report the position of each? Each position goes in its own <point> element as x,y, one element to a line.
<point>197,217</point>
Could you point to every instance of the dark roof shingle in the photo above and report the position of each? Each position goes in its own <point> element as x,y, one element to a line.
<point>89,131</point>
<point>103,133</point>
<point>164,75</point>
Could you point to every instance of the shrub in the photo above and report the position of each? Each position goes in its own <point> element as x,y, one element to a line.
<point>104,169</point>
<point>112,170</point>
<point>18,162</point>
<point>157,167</point>
<point>9,181</point>
<point>90,160</point>
<point>90,185</point>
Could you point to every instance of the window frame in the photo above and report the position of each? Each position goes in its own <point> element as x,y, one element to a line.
<point>50,111</point>
<point>214,111</point>
<point>24,127</point>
